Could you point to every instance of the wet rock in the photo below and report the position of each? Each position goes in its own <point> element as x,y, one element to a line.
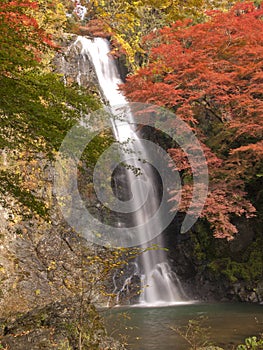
<point>44,275</point>
<point>215,270</point>
<point>259,291</point>
<point>244,237</point>
<point>74,67</point>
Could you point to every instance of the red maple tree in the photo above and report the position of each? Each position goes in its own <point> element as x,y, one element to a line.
<point>211,76</point>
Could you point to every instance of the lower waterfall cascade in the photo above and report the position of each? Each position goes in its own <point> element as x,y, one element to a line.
<point>159,284</point>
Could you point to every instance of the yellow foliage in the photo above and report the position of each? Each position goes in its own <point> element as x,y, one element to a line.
<point>130,20</point>
<point>52,266</point>
<point>51,17</point>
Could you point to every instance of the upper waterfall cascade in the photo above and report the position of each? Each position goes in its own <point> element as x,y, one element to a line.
<point>159,284</point>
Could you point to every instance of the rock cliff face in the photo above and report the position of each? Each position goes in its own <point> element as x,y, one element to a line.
<point>48,285</point>
<point>70,63</point>
<point>216,270</point>
<point>49,278</point>
<point>59,325</point>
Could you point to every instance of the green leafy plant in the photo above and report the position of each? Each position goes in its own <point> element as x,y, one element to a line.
<point>251,343</point>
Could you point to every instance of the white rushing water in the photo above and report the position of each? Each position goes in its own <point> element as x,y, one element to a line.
<point>159,284</point>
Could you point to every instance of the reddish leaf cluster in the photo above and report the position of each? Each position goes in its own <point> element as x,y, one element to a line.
<point>13,14</point>
<point>96,28</point>
<point>20,37</point>
<point>211,76</point>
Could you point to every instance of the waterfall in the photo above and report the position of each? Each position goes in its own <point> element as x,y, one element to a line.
<point>158,283</point>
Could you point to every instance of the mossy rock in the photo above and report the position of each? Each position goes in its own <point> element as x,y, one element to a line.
<point>58,326</point>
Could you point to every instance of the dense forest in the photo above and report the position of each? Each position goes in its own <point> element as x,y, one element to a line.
<point>203,61</point>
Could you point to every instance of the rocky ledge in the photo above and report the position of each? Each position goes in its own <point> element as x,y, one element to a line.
<point>65,325</point>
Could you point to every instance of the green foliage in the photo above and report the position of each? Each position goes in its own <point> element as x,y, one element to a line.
<point>36,111</point>
<point>250,268</point>
<point>64,345</point>
<point>36,108</point>
<point>87,333</point>
<point>220,261</point>
<point>31,111</point>
<point>252,343</point>
<point>11,184</point>
<point>96,147</point>
<point>203,243</point>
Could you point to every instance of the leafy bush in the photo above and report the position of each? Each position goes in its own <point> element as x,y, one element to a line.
<point>251,343</point>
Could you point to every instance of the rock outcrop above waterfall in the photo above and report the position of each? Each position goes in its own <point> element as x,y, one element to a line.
<point>69,62</point>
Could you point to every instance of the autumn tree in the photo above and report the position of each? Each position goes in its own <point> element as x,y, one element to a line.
<point>52,17</point>
<point>129,21</point>
<point>210,75</point>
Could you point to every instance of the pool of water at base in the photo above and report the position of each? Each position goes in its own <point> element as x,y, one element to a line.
<point>150,328</point>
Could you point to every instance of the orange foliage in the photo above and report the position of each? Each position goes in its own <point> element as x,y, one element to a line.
<point>211,76</point>
<point>95,28</point>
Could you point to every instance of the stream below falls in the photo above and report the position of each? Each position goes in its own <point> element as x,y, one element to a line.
<point>149,328</point>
